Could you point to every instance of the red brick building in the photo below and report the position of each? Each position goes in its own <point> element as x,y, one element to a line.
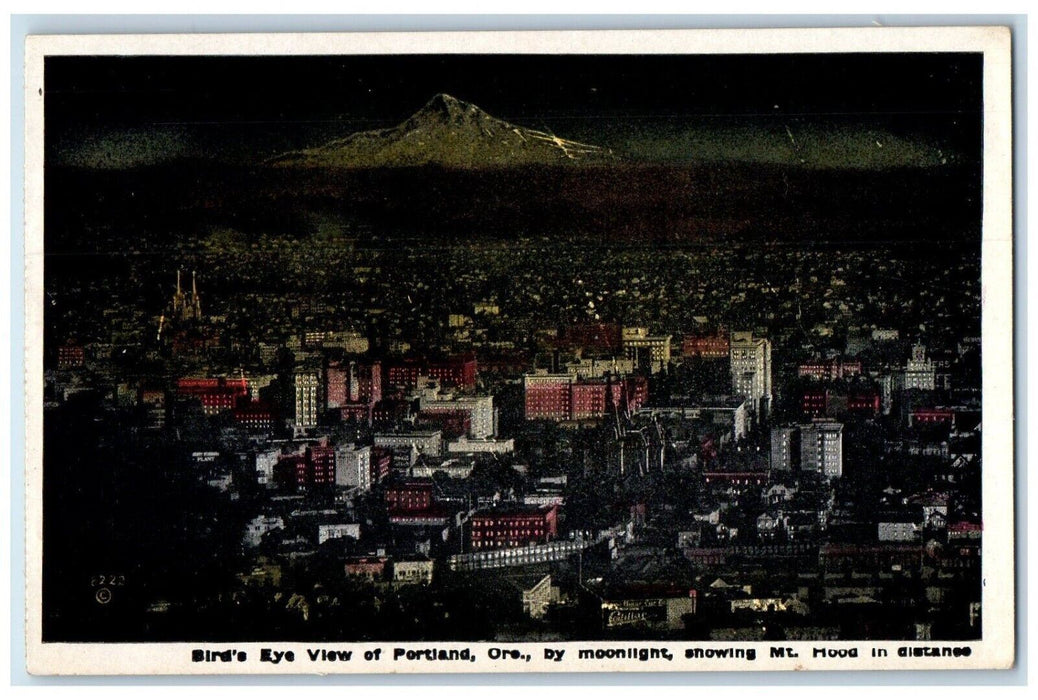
<point>381,463</point>
<point>587,400</point>
<point>353,384</point>
<point>708,347</point>
<point>256,416</point>
<point>314,467</point>
<point>814,402</point>
<point>409,496</point>
<point>321,463</point>
<point>71,356</point>
<point>562,397</point>
<point>512,526</point>
<point>868,402</point>
<point>365,568</point>
<point>391,411</point>
<point>547,396</point>
<point>458,371</point>
<point>215,393</point>
<point>631,393</point>
<point>932,416</point>
<point>593,338</point>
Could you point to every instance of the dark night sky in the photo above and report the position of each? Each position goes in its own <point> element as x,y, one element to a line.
<point>828,110</point>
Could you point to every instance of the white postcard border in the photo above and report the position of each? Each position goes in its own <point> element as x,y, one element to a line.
<point>994,651</point>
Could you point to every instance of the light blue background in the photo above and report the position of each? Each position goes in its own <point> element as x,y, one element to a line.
<point>24,25</point>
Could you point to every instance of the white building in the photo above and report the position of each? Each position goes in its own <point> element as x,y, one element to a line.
<point>479,408</point>
<point>353,466</point>
<point>750,367</point>
<point>919,371</point>
<point>453,468</point>
<point>413,571</point>
<point>821,448</point>
<point>428,443</point>
<point>489,446</point>
<point>265,463</point>
<point>331,531</point>
<point>639,345</point>
<point>256,528</point>
<point>898,529</point>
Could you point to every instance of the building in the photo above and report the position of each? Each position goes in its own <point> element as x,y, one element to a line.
<point>707,347</point>
<point>71,356</point>
<point>216,394</point>
<point>478,409</point>
<point>814,402</point>
<point>592,338</point>
<point>587,399</point>
<point>487,446</point>
<point>920,372</point>
<point>652,351</point>
<point>314,466</point>
<point>353,466</point>
<point>381,464</point>
<point>413,571</point>
<point>153,401</point>
<point>320,460</point>
<point>595,368</point>
<point>932,416</point>
<point>537,595</point>
<point>255,416</point>
<point>783,448</point>
<point>458,371</point>
<point>821,448</point>
<point>750,368</point>
<point>365,569</point>
<point>347,341</point>
<point>409,496</point>
<point>900,526</point>
<point>259,526</point>
<point>829,370</point>
<point>652,606</point>
<point>865,401</point>
<point>331,531</point>
<point>513,525</point>
<point>187,307</point>
<point>453,468</point>
<point>565,397</point>
<point>265,463</point>
<point>452,424</point>
<point>547,396</point>
<point>307,399</point>
<point>407,446</point>
<point>353,385</point>
<point>532,555</point>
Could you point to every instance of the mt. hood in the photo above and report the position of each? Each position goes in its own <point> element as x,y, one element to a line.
<point>450,133</point>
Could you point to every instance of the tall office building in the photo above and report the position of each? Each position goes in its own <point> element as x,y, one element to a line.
<point>307,385</point>
<point>821,448</point>
<point>919,370</point>
<point>783,448</point>
<point>750,366</point>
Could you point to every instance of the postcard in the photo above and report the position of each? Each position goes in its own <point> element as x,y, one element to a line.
<point>519,351</point>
